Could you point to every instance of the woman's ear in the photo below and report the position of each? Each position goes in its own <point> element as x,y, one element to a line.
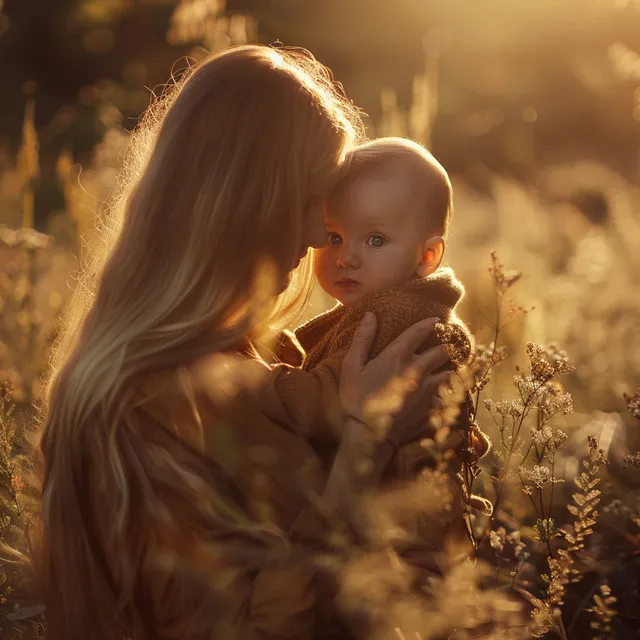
<point>431,256</point>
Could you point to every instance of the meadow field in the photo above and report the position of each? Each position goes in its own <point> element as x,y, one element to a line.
<point>551,268</point>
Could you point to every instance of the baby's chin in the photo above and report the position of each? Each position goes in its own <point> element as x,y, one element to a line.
<point>349,298</point>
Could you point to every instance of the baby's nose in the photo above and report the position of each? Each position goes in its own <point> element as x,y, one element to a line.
<point>348,258</point>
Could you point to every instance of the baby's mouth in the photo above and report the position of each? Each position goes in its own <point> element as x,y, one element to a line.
<point>347,283</point>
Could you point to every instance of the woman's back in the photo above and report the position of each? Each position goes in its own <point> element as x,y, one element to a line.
<point>225,164</point>
<point>162,517</point>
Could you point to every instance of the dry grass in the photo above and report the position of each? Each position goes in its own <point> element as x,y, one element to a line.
<point>560,552</point>
<point>545,553</point>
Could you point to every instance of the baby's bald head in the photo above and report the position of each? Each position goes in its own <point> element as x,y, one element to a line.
<point>422,185</point>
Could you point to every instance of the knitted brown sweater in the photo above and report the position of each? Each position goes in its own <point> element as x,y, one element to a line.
<point>303,396</point>
<point>303,392</point>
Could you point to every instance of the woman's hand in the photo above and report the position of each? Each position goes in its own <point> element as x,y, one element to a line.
<point>403,381</point>
<point>361,460</point>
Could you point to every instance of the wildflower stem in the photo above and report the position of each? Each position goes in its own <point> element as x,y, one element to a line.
<point>524,457</point>
<point>516,571</point>
<point>539,516</point>
<point>505,470</point>
<point>526,492</point>
<point>541,503</point>
<point>498,567</point>
<point>499,487</point>
<point>496,336</point>
<point>586,598</point>
<point>553,462</point>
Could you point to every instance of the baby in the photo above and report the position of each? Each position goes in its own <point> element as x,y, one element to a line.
<point>387,223</point>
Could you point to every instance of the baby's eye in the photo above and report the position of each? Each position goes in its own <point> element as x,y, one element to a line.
<point>376,240</point>
<point>334,239</point>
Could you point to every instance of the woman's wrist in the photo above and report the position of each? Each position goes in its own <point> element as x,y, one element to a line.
<point>381,451</point>
<point>360,462</point>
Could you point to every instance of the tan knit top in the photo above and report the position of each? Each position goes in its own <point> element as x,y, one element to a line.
<point>306,400</point>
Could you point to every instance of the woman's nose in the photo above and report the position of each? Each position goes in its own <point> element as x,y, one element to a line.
<point>348,257</point>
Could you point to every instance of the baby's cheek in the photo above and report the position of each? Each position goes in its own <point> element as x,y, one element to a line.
<point>322,266</point>
<point>389,272</point>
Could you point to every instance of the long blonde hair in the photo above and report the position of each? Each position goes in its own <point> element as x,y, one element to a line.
<point>216,181</point>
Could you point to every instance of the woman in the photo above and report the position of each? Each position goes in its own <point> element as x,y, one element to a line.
<point>150,523</point>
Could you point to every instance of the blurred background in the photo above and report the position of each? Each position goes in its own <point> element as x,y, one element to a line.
<point>532,106</point>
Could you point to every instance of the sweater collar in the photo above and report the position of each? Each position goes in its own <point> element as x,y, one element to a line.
<point>442,286</point>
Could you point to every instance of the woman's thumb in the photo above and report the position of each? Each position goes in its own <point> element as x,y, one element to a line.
<point>358,353</point>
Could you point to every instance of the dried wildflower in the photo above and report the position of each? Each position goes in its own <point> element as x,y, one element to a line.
<point>545,530</point>
<point>15,382</point>
<point>380,407</point>
<point>501,407</point>
<point>516,309</point>
<point>632,461</point>
<point>541,436</point>
<point>6,391</point>
<point>502,279</point>
<point>596,456</point>
<point>16,483</point>
<point>516,408</point>
<point>483,361</point>
<point>222,376</point>
<point>633,403</point>
<point>518,546</point>
<point>497,539</point>
<point>457,605</point>
<point>13,514</point>
<point>456,341</point>
<point>451,397</point>
<point>547,362</point>
<point>545,438</point>
<point>618,508</point>
<point>508,409</point>
<point>559,438</point>
<point>490,355</point>
<point>26,237</point>
<point>538,477</point>
<point>205,21</point>
<point>554,401</point>
<point>562,569</point>
<point>604,612</point>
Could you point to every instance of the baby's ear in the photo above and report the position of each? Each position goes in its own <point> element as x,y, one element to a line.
<point>431,256</point>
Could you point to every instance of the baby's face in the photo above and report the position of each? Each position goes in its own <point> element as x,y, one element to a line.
<point>375,238</point>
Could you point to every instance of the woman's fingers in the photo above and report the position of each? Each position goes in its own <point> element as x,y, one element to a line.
<point>432,359</point>
<point>425,399</point>
<point>398,361</point>
<point>433,382</point>
<point>410,339</point>
<point>361,344</point>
